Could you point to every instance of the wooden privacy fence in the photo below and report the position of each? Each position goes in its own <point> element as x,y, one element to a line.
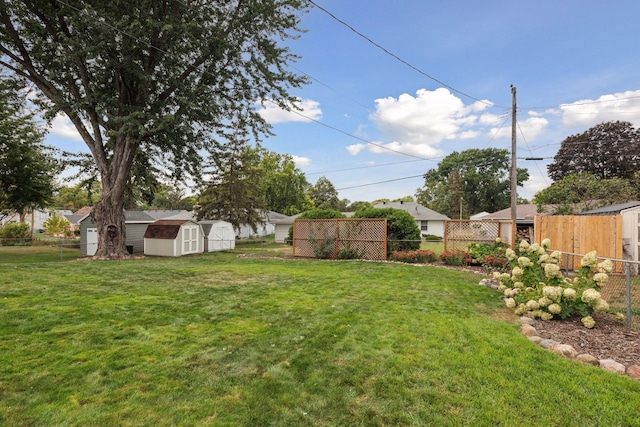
<point>459,233</point>
<point>581,234</point>
<point>364,238</point>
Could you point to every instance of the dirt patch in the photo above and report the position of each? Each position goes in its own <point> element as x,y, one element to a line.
<point>608,339</point>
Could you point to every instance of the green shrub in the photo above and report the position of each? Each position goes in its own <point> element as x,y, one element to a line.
<point>403,233</point>
<point>478,251</point>
<point>432,238</point>
<point>15,234</point>
<point>349,253</point>
<point>455,258</point>
<point>414,257</point>
<point>537,287</point>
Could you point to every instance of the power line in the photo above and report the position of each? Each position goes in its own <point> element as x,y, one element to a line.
<point>380,182</point>
<point>393,55</point>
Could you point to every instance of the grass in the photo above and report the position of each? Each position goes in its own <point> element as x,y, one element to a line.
<point>36,254</point>
<point>219,340</point>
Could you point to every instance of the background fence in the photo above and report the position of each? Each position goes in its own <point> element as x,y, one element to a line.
<point>459,233</point>
<point>364,238</point>
<point>39,250</point>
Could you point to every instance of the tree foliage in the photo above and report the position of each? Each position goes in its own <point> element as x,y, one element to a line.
<point>57,226</point>
<point>316,213</point>
<point>76,197</point>
<point>27,167</point>
<point>578,192</point>
<point>282,184</point>
<point>151,81</point>
<point>476,179</point>
<point>324,194</point>
<point>607,150</point>
<point>403,233</point>
<point>233,192</point>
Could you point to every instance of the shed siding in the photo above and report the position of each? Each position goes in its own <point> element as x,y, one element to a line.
<point>282,232</point>
<point>135,235</point>
<point>159,247</point>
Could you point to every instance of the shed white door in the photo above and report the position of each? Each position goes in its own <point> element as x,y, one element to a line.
<point>221,239</point>
<point>92,241</point>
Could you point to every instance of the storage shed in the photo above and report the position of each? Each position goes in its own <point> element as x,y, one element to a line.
<point>173,237</point>
<point>218,235</point>
<point>630,213</point>
<point>136,223</point>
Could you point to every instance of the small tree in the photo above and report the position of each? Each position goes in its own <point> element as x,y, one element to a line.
<point>403,233</point>
<point>57,226</point>
<point>315,214</point>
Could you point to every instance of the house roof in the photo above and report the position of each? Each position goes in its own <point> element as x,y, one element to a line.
<point>611,209</point>
<point>168,213</point>
<point>416,210</point>
<point>523,213</point>
<point>74,219</point>
<point>83,210</point>
<point>165,228</point>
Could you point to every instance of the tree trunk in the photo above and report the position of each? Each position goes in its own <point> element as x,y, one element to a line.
<point>108,215</point>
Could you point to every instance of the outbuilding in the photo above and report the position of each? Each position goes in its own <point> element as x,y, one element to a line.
<point>173,237</point>
<point>136,223</point>
<point>218,235</point>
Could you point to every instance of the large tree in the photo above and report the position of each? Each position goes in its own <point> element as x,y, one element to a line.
<point>473,180</point>
<point>324,194</point>
<point>158,81</point>
<point>578,192</point>
<point>607,150</point>
<point>283,186</point>
<point>27,167</point>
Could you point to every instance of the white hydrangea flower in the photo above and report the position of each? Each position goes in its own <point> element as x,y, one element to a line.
<point>524,262</point>
<point>505,277</point>
<point>510,254</point>
<point>544,258</point>
<point>518,285</point>
<point>546,316</point>
<point>569,294</point>
<point>601,277</point>
<point>510,302</point>
<point>497,275</point>
<point>601,306</point>
<point>537,313</point>
<point>524,246</point>
<point>590,259</point>
<point>520,309</point>
<point>516,272</point>
<point>590,296</point>
<point>621,317</point>
<point>502,287</point>
<point>554,308</point>
<point>605,266</point>
<point>498,240</point>
<point>544,302</point>
<point>554,293</point>
<point>552,270</point>
<point>546,243</point>
<point>555,257</point>
<point>534,248</point>
<point>532,305</point>
<point>588,322</point>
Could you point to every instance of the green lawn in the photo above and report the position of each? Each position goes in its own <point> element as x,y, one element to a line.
<point>219,340</point>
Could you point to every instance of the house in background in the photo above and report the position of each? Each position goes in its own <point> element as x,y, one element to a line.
<point>136,223</point>
<point>246,232</point>
<point>173,237</point>
<point>429,221</point>
<point>525,214</point>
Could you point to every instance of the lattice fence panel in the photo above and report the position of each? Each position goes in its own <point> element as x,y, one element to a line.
<point>331,238</point>
<point>459,233</point>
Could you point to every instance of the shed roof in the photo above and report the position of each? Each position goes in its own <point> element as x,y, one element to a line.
<point>165,228</point>
<point>207,225</point>
<point>524,212</point>
<point>611,209</point>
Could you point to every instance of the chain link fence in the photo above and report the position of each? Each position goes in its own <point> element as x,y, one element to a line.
<point>621,291</point>
<point>39,250</point>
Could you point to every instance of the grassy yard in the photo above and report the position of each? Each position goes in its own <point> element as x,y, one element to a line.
<point>219,340</point>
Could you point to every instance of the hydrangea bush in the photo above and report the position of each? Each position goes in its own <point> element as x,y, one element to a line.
<point>536,285</point>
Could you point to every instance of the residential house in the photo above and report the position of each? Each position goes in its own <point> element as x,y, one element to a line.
<point>429,221</point>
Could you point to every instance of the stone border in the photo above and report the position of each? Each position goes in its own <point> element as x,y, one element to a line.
<point>566,350</point>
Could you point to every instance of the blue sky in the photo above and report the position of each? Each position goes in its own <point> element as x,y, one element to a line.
<point>574,63</point>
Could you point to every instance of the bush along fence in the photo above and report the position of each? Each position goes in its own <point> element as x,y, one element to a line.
<point>535,285</point>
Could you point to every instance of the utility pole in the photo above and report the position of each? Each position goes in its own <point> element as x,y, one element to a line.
<point>514,172</point>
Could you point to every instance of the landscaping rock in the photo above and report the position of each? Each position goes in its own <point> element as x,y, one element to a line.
<point>526,320</point>
<point>535,339</point>
<point>612,366</point>
<point>528,330</point>
<point>634,371</point>
<point>564,350</point>
<point>588,359</point>
<point>548,343</point>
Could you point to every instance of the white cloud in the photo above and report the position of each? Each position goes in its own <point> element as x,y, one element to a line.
<point>62,126</point>
<point>534,184</point>
<point>624,106</point>
<point>356,148</point>
<point>272,113</point>
<point>418,124</point>
<point>301,161</point>
<point>530,128</point>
